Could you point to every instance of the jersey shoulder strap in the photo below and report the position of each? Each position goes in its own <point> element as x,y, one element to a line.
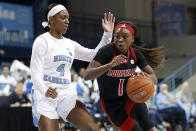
<point>133,53</point>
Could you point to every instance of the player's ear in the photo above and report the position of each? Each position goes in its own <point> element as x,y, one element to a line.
<point>51,20</point>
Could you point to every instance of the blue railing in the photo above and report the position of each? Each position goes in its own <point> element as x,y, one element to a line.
<point>180,75</point>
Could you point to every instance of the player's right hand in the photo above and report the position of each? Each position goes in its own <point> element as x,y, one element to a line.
<point>118,60</point>
<point>51,92</point>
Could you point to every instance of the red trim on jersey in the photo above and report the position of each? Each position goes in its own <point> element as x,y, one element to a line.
<point>113,44</point>
<point>129,122</point>
<point>127,57</point>
<point>128,54</point>
<point>133,53</point>
<point>103,107</point>
<point>120,88</point>
<point>126,26</point>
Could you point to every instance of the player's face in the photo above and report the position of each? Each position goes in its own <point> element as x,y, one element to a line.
<point>60,22</point>
<point>123,39</point>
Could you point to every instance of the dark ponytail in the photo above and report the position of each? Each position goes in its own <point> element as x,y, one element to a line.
<point>46,29</point>
<point>154,56</point>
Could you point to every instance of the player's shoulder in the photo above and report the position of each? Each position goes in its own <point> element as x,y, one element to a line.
<point>68,39</point>
<point>107,48</point>
<point>136,50</point>
<point>44,35</point>
<point>40,40</point>
<point>105,54</point>
<point>41,37</point>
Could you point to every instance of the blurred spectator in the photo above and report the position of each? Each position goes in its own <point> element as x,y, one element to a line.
<point>186,101</point>
<point>83,91</point>
<point>19,70</point>
<point>76,84</point>
<point>168,107</point>
<point>95,92</point>
<point>7,82</point>
<point>18,98</point>
<point>156,117</point>
<point>81,78</point>
<point>27,88</point>
<point>87,85</point>
<point>73,71</point>
<point>2,52</point>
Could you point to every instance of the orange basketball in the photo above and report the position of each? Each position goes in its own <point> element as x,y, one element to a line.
<point>140,88</point>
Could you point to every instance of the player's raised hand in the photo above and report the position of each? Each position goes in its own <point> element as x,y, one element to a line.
<point>108,22</point>
<point>118,60</point>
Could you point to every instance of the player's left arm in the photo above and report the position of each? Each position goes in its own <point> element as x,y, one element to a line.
<point>102,62</point>
<point>85,54</point>
<point>96,69</point>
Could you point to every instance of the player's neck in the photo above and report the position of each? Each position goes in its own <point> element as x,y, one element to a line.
<point>55,34</point>
<point>123,53</point>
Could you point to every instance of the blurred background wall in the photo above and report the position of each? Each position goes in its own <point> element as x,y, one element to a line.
<point>169,23</point>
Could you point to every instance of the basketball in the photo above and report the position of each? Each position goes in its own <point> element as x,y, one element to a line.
<point>140,88</point>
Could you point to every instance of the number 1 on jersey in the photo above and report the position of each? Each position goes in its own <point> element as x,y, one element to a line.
<point>61,69</point>
<point>120,87</point>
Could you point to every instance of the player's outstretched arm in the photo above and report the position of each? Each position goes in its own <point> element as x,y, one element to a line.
<point>85,54</point>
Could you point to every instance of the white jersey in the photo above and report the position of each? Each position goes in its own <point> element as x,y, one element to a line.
<point>52,59</point>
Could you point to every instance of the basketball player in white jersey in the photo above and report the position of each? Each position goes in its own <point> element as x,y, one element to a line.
<point>51,61</point>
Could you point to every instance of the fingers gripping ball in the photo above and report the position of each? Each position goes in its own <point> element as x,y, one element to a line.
<point>140,88</point>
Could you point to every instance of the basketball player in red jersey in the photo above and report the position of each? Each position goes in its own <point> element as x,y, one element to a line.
<point>113,65</point>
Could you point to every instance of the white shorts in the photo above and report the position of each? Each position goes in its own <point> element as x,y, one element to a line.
<point>53,108</point>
